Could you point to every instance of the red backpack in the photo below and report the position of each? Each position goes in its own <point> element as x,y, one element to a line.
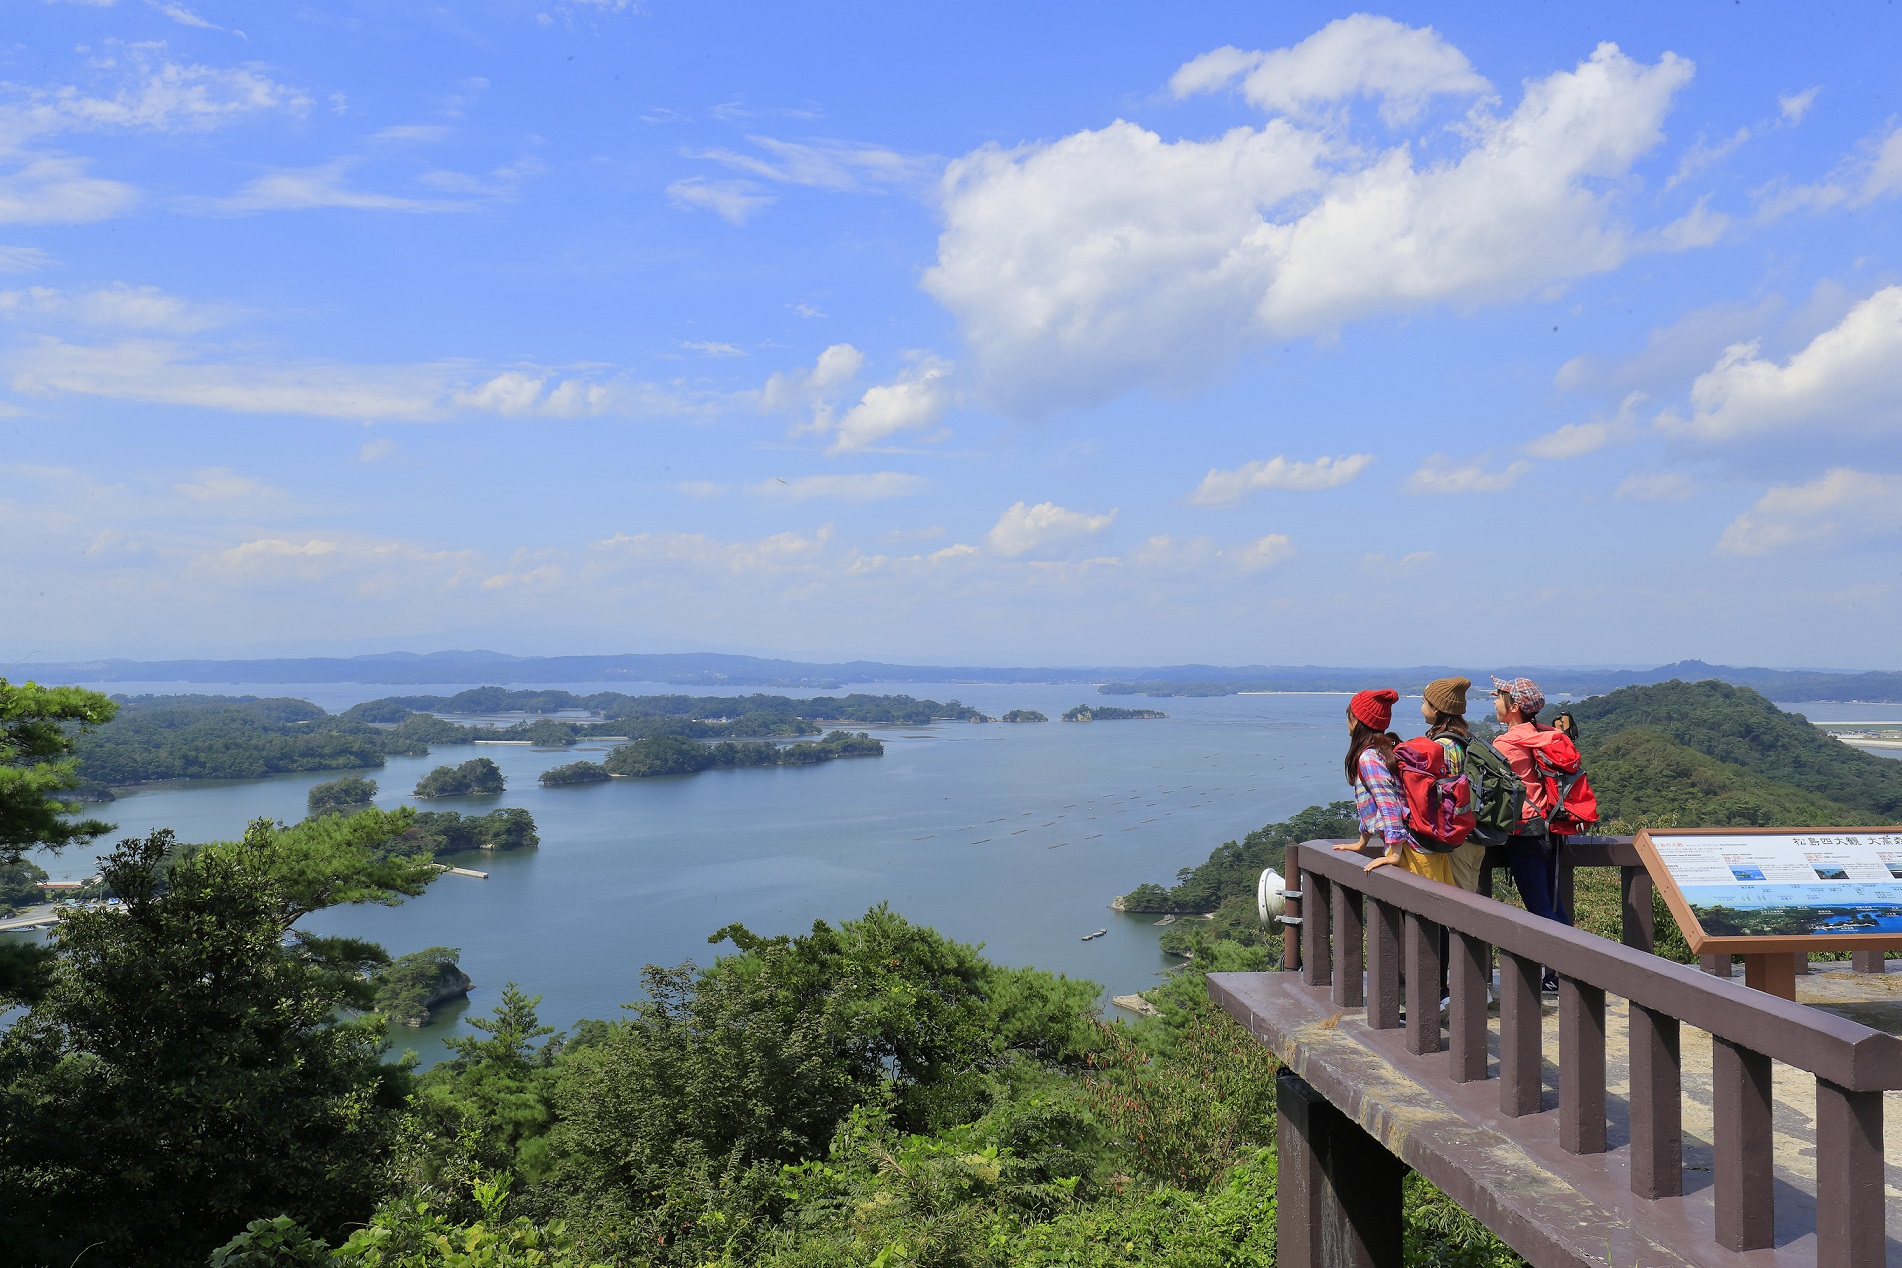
<point>1560,774</point>
<point>1440,810</point>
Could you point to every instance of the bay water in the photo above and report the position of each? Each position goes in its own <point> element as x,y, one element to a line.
<point>1015,836</point>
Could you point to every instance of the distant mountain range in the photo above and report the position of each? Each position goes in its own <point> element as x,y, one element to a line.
<point>712,669</point>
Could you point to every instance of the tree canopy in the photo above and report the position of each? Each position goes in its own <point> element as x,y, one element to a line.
<point>40,728</point>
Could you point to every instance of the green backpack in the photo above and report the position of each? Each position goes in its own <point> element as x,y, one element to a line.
<point>1499,796</point>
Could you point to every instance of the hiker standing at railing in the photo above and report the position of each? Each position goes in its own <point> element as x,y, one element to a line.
<point>1443,707</point>
<point>1558,799</point>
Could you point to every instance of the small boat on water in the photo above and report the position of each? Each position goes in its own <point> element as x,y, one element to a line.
<point>1099,933</point>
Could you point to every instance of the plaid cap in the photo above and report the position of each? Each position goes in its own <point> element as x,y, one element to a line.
<point>1524,692</point>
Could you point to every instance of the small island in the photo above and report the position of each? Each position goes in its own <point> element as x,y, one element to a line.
<point>475,777</point>
<point>340,796</point>
<point>575,773</point>
<point>448,832</point>
<point>676,755</point>
<point>1103,713</point>
<point>410,985</point>
<point>1025,715</point>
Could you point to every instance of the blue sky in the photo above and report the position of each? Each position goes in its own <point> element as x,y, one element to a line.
<point>1021,334</point>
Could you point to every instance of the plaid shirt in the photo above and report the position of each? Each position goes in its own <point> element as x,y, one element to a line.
<point>1379,801</point>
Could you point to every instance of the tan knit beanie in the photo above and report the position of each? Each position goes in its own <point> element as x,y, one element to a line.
<point>1448,695</point>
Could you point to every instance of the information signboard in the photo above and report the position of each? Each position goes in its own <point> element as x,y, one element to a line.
<point>1742,891</point>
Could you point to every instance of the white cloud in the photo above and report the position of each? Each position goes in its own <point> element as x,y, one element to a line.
<point>858,487</point>
<point>155,96</point>
<point>412,134</point>
<point>1227,488</point>
<point>318,188</point>
<point>1840,504</point>
<point>1849,378</point>
<point>1265,552</point>
<point>376,450</point>
<point>118,306</point>
<point>1439,474</point>
<point>1706,154</point>
<point>1655,486</point>
<point>1794,105</point>
<point>1023,528</point>
<point>842,166</point>
<point>53,190</point>
<point>183,16</point>
<point>23,259</point>
<point>732,201</point>
<point>1873,172</point>
<point>168,373</point>
<point>377,568</point>
<point>773,554</point>
<point>222,484</point>
<point>1357,56</point>
<point>1111,259</point>
<point>916,400</point>
<point>712,348</point>
<point>1412,561</point>
<point>1575,440</point>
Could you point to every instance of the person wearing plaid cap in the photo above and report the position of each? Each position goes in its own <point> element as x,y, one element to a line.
<point>1532,857</point>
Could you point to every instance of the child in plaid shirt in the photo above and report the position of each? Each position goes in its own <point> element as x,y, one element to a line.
<point>1377,796</point>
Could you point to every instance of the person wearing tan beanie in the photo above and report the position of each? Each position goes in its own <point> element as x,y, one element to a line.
<point>1443,706</point>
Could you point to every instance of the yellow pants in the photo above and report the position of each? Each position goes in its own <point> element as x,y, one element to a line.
<point>1435,867</point>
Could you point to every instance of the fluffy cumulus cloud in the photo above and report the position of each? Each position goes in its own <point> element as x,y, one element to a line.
<point>1113,258</point>
<point>1841,505</point>
<point>697,551</point>
<point>1442,475</point>
<point>1227,488</point>
<point>915,401</point>
<point>1849,378</point>
<point>1024,528</point>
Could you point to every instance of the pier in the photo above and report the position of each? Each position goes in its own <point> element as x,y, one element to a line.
<point>1703,1123</point>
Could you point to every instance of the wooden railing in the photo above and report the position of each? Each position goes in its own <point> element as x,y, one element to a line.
<point>1335,908</point>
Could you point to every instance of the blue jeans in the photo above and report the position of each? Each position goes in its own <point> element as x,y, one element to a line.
<point>1534,864</point>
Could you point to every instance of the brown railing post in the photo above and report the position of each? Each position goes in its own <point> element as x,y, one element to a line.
<point>1637,927</point>
<point>1657,1104</point>
<point>1423,985</point>
<point>1291,909</point>
<point>1383,965</point>
<point>1715,965</point>
<point>1581,1067</point>
<point>1869,961</point>
<point>1740,1116</point>
<point>1339,1198</point>
<point>1521,1035</point>
<point>1317,961</point>
<point>1347,946</point>
<point>1471,956</point>
<point>1849,1177</point>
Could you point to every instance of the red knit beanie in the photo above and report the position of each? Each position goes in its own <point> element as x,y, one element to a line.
<point>1373,708</point>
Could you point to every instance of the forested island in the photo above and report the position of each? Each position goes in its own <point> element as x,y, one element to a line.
<point>410,985</point>
<point>673,755</point>
<point>575,773</point>
<point>1104,713</point>
<point>479,776</point>
<point>1024,715</point>
<point>245,737</point>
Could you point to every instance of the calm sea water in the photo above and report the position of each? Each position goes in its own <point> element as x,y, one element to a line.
<point>1013,836</point>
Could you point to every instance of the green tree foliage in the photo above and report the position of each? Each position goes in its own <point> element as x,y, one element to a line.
<point>410,985</point>
<point>1104,713</point>
<point>20,885</point>
<point>1233,870</point>
<point>280,1242</point>
<point>574,773</point>
<point>227,737</point>
<point>1024,715</point>
<point>674,755</point>
<point>761,1058</point>
<point>185,1072</point>
<point>476,777</point>
<point>1643,777</point>
<point>341,796</point>
<point>450,832</point>
<point>40,727</point>
<point>1773,755</point>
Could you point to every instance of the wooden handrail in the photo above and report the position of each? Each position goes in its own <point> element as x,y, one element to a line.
<point>1400,915</point>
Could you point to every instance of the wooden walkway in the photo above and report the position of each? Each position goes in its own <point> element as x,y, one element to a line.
<point>1703,1123</point>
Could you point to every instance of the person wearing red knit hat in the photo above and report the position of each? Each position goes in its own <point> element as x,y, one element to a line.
<point>1378,800</point>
